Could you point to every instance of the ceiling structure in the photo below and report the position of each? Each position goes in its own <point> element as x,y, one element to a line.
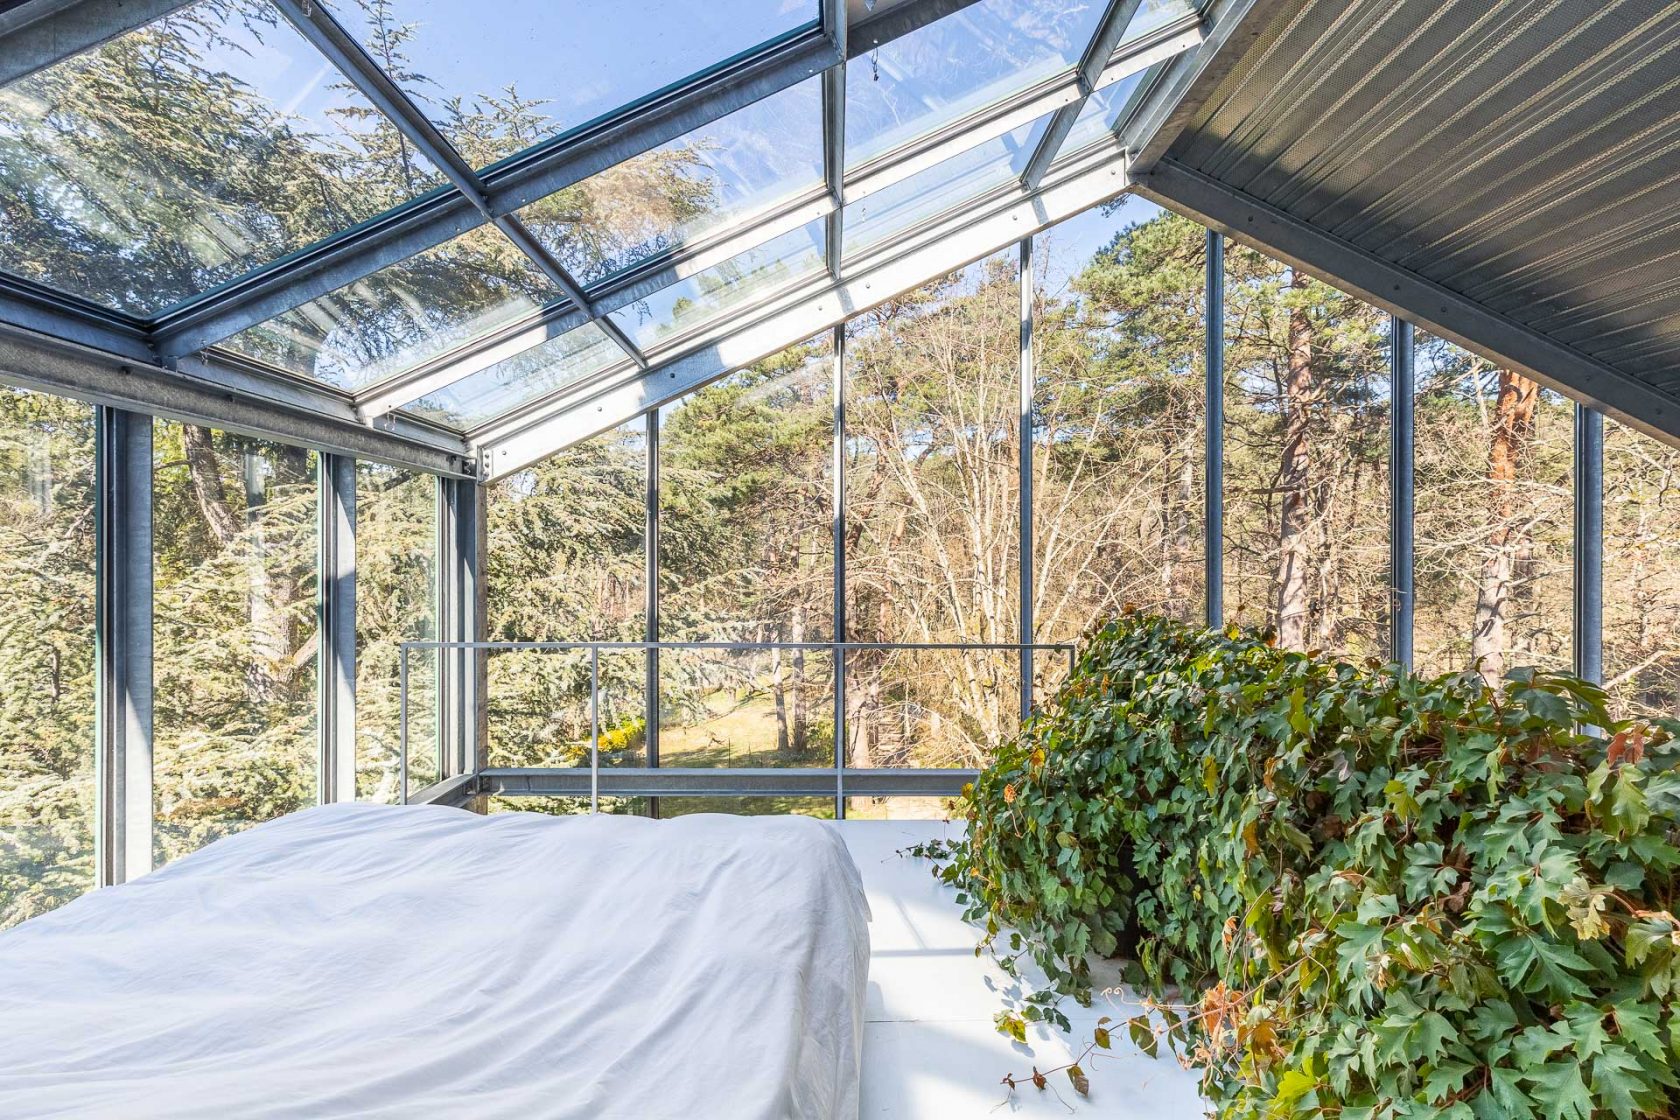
<point>392,230</point>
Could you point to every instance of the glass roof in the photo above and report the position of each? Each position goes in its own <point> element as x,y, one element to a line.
<point>404,314</point>
<point>185,153</point>
<point>497,78</point>
<point>212,162</point>
<point>680,192</point>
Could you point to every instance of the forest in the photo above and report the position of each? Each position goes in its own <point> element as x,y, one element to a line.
<point>746,548</point>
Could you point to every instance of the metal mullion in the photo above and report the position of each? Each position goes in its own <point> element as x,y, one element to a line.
<point>123,645</point>
<point>1109,32</point>
<point>336,621</point>
<point>1588,623</point>
<point>1213,410</point>
<point>1024,438</point>
<point>837,628</point>
<point>1401,483</point>
<point>557,272</point>
<point>650,560</point>
<point>834,135</point>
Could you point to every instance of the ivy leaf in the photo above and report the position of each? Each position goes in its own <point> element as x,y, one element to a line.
<point>1081,1084</point>
<point>1620,1082</point>
<point>1561,1093</point>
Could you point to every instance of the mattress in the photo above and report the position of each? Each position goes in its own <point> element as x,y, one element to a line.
<point>423,961</point>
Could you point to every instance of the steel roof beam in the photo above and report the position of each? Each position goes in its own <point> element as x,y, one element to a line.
<point>1110,31</point>
<point>37,35</point>
<point>834,135</point>
<point>1409,295</point>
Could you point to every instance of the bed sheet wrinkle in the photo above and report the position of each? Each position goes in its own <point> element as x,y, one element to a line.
<point>375,961</point>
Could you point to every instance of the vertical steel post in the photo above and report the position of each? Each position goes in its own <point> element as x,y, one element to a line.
<point>336,621</point>
<point>1589,544</point>
<point>458,593</point>
<point>1024,436</point>
<point>838,631</point>
<point>650,540</point>
<point>1213,467</point>
<point>1402,402</point>
<point>123,644</point>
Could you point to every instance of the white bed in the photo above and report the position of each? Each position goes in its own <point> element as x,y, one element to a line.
<point>364,961</point>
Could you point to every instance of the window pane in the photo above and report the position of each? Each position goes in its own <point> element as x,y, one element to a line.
<point>498,80</point>
<point>1101,112</point>
<point>900,808</point>
<point>404,314</point>
<point>680,192</point>
<point>890,211</point>
<point>547,367</point>
<point>750,708</point>
<point>46,652</point>
<point>932,529</point>
<point>1641,573</point>
<point>1306,459</point>
<point>819,807</point>
<point>953,66</point>
<point>236,551</point>
<point>567,806</point>
<point>1494,514</point>
<point>396,602</point>
<point>567,563</point>
<point>179,155</point>
<point>706,296</point>
<point>1119,415</point>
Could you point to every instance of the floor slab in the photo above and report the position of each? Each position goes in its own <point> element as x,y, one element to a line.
<point>930,1047</point>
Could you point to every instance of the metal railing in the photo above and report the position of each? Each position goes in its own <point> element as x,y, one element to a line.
<point>839,650</point>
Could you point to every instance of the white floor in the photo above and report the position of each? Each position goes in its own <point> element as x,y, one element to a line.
<point>930,1048</point>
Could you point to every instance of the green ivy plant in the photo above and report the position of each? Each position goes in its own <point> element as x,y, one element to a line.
<point>1344,891</point>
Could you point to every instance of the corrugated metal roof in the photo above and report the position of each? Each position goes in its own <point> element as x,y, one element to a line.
<point>1522,153</point>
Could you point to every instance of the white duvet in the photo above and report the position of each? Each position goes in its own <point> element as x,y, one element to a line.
<point>363,960</point>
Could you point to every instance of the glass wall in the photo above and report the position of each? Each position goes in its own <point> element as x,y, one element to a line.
<point>933,518</point>
<point>396,601</point>
<point>1306,458</point>
<point>746,554</point>
<point>1641,573</point>
<point>236,526</point>
<point>1494,502</point>
<point>46,652</point>
<point>1119,420</point>
<point>568,563</point>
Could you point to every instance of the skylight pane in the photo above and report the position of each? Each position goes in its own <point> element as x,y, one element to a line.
<point>404,314</point>
<point>497,78</point>
<point>1098,116</point>
<point>969,60</point>
<point>892,210</point>
<point>703,297</point>
<point>182,154</point>
<point>567,359</point>
<point>743,163</point>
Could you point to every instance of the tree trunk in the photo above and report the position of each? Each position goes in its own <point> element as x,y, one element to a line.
<point>1294,480</point>
<point>1508,443</point>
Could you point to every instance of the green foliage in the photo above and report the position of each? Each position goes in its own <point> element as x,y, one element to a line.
<point>1347,891</point>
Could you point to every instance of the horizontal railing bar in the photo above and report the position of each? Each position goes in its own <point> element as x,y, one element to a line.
<point>450,791</point>
<point>742,646</point>
<point>627,781</point>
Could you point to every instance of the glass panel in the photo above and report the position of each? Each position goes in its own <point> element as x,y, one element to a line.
<point>396,602</point>
<point>1119,415</point>
<point>236,549</point>
<point>820,807</point>
<point>703,297</point>
<point>179,155</point>
<point>567,806</point>
<point>567,563</point>
<point>497,81</point>
<point>746,537</point>
<point>1306,459</point>
<point>890,211</point>
<point>749,708</point>
<point>680,192</point>
<point>1641,573</point>
<point>968,60</point>
<point>403,314</point>
<point>1494,499</point>
<point>46,652</point>
<point>900,808</point>
<point>932,530</point>
<point>547,367</point>
<point>1101,112</point>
